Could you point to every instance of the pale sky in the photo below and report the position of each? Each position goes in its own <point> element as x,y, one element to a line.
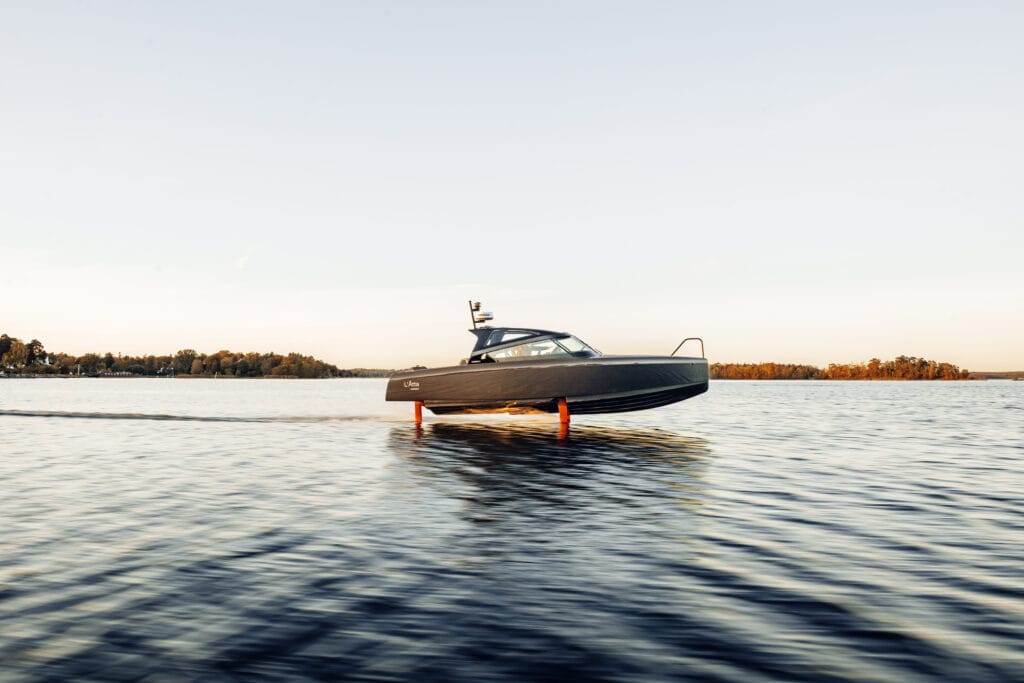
<point>795,182</point>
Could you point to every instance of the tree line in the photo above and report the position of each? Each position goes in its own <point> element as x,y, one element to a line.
<point>901,367</point>
<point>32,358</point>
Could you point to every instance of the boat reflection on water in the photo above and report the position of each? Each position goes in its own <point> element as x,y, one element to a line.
<point>534,467</point>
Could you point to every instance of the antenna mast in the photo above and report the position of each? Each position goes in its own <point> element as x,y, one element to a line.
<point>476,315</point>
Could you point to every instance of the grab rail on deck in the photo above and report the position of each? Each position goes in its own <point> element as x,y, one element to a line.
<point>691,339</point>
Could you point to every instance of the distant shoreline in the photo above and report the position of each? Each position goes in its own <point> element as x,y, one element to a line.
<point>31,359</point>
<point>22,358</point>
<point>1001,374</point>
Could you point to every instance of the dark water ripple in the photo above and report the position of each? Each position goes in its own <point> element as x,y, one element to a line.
<point>167,531</point>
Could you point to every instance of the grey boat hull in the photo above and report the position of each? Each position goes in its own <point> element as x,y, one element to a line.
<point>607,384</point>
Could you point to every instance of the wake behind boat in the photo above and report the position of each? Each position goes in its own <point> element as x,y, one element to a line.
<point>526,370</point>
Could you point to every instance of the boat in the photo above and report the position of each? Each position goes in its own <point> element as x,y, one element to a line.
<point>527,370</point>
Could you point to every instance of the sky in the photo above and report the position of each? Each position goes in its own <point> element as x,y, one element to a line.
<point>791,181</point>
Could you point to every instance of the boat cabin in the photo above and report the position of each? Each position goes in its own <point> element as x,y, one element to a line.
<point>505,344</point>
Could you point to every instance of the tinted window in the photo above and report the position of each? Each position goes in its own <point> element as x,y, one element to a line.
<point>505,336</point>
<point>528,351</point>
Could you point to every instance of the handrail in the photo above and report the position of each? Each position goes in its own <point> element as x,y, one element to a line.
<point>691,339</point>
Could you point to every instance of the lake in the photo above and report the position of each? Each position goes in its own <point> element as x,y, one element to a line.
<point>178,530</point>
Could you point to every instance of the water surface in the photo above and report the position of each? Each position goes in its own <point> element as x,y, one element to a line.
<point>288,530</point>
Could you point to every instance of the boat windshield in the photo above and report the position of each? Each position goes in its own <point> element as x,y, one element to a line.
<point>562,346</point>
<point>576,347</point>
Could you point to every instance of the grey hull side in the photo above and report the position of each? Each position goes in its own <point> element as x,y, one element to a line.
<point>590,385</point>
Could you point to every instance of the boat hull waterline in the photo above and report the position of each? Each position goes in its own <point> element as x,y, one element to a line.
<point>608,384</point>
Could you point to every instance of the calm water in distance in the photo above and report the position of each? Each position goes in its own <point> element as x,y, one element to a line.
<point>176,530</point>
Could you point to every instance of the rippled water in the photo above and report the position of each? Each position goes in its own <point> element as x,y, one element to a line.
<point>173,530</point>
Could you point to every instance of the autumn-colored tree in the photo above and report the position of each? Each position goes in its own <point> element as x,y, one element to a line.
<point>90,362</point>
<point>268,362</point>
<point>36,352</point>
<point>212,363</point>
<point>122,363</point>
<point>183,361</point>
<point>63,363</point>
<point>16,356</point>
